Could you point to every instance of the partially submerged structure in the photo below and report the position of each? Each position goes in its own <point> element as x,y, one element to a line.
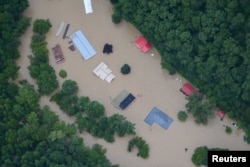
<point>88,6</point>
<point>159,117</point>
<point>123,100</point>
<point>143,44</point>
<point>66,31</point>
<point>83,45</point>
<point>188,89</point>
<point>57,52</point>
<point>60,29</point>
<point>220,113</point>
<point>104,73</point>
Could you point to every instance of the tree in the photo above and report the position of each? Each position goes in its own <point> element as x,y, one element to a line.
<point>119,124</point>
<point>48,118</point>
<point>200,155</point>
<point>67,99</point>
<point>81,123</point>
<point>247,135</point>
<point>11,70</point>
<point>114,1</point>
<point>116,18</point>
<point>182,116</point>
<point>21,26</point>
<point>125,69</point>
<point>201,108</point>
<point>94,109</point>
<point>82,102</point>
<point>143,148</point>
<point>12,90</point>
<point>40,55</point>
<point>70,130</point>
<point>28,97</point>
<point>47,81</point>
<point>69,87</point>
<point>41,26</point>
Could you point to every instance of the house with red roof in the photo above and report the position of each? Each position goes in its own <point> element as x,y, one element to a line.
<point>143,44</point>
<point>220,113</point>
<point>188,89</point>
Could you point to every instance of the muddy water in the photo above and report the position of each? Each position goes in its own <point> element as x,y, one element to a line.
<point>147,78</point>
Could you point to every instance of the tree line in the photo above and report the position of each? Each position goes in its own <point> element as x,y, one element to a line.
<point>206,41</point>
<point>39,68</point>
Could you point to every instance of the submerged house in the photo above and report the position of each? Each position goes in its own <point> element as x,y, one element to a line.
<point>143,44</point>
<point>188,89</point>
<point>220,113</point>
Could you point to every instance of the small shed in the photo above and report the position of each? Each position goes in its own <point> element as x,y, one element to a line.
<point>123,100</point>
<point>143,44</point>
<point>58,54</point>
<point>187,89</point>
<point>83,45</point>
<point>220,113</point>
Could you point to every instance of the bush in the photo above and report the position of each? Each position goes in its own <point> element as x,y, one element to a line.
<point>116,18</point>
<point>125,69</point>
<point>62,73</point>
<point>228,130</point>
<point>182,116</point>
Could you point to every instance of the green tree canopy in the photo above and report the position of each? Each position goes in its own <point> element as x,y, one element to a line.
<point>182,116</point>
<point>125,69</point>
<point>201,108</point>
<point>200,155</point>
<point>41,26</point>
<point>143,148</point>
<point>69,87</point>
<point>94,109</point>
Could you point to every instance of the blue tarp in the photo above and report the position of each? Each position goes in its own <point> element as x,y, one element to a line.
<point>83,45</point>
<point>159,117</point>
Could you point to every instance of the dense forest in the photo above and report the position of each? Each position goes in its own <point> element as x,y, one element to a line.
<point>30,135</point>
<point>206,41</point>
